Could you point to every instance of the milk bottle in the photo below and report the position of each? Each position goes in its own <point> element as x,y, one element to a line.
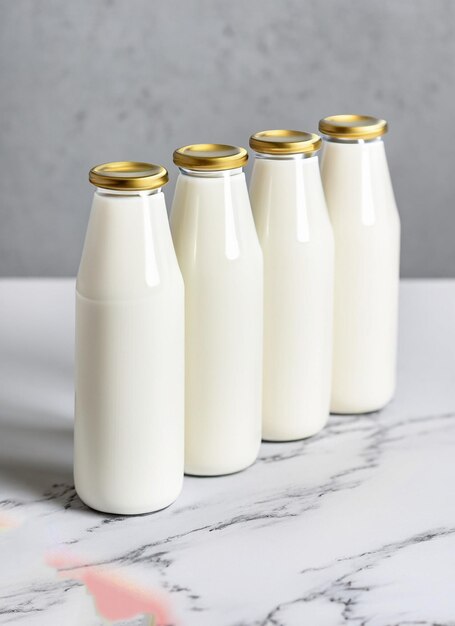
<point>221,263</point>
<point>128,449</point>
<point>366,228</point>
<point>297,243</point>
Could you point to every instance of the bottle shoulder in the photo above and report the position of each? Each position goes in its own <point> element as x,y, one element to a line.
<point>168,289</point>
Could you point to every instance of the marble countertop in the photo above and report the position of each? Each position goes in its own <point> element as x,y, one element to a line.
<point>355,526</point>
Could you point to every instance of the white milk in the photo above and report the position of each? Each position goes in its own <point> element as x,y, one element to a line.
<point>221,262</point>
<point>366,227</point>
<point>129,357</point>
<point>297,243</point>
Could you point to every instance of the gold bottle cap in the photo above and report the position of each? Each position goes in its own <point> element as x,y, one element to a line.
<point>353,126</point>
<point>285,142</point>
<point>210,157</point>
<point>128,176</point>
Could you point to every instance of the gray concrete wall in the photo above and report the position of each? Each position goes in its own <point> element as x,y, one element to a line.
<point>97,80</point>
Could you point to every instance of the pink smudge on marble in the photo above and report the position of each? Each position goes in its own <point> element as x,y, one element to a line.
<point>115,597</point>
<point>8,522</point>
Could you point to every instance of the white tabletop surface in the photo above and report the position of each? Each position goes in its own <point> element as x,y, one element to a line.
<point>355,526</point>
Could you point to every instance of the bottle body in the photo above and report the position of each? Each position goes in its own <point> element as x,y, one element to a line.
<point>221,264</point>
<point>297,243</point>
<point>129,358</point>
<point>366,229</point>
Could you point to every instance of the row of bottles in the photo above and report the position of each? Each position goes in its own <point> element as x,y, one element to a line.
<point>256,317</point>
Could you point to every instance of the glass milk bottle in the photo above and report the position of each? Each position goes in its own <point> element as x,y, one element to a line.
<point>366,227</point>
<point>129,347</point>
<point>297,243</point>
<point>221,262</point>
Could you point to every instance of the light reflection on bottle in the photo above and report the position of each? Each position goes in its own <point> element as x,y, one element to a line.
<point>231,240</point>
<point>303,228</point>
<point>152,275</point>
<point>367,202</point>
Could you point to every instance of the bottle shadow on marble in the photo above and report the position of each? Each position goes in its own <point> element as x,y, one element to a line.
<point>36,451</point>
<point>36,426</point>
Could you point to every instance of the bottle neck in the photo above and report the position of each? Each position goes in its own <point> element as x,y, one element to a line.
<point>128,248</point>
<point>286,157</point>
<point>357,181</point>
<point>127,193</point>
<point>214,174</point>
<point>360,142</point>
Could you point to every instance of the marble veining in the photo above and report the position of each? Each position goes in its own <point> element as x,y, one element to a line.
<point>355,526</point>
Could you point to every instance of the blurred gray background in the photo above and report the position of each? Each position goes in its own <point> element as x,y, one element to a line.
<point>98,80</point>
